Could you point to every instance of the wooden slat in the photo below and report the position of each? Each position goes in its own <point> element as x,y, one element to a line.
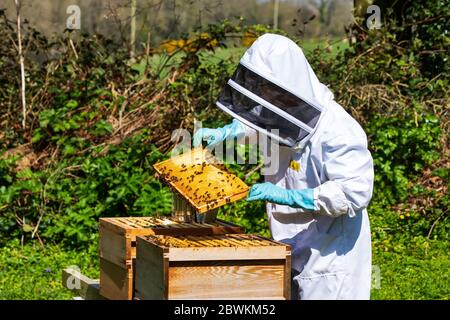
<point>141,223</point>
<point>116,283</point>
<point>238,281</point>
<point>225,253</point>
<point>86,288</point>
<point>287,276</point>
<point>234,240</point>
<point>255,239</point>
<point>251,242</point>
<point>152,276</point>
<point>115,247</point>
<point>113,224</point>
<point>238,243</point>
<point>231,247</point>
<point>129,225</point>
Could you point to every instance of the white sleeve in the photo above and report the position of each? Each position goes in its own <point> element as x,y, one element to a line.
<point>348,166</point>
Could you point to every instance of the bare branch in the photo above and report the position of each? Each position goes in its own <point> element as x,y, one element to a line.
<point>22,64</point>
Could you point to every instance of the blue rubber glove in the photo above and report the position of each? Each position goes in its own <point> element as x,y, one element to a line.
<point>294,198</point>
<point>214,136</point>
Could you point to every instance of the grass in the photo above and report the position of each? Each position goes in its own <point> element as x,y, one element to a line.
<point>34,272</point>
<point>414,274</point>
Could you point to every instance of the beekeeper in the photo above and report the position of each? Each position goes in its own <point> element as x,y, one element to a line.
<point>317,199</point>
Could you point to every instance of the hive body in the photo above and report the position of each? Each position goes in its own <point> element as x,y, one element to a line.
<point>212,267</point>
<point>118,247</point>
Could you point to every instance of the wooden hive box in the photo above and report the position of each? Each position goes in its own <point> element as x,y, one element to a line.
<point>118,247</point>
<point>236,266</point>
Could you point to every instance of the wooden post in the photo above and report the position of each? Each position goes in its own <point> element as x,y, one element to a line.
<point>133,29</point>
<point>276,8</point>
<point>22,64</point>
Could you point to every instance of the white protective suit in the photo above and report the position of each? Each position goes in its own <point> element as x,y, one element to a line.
<point>331,246</point>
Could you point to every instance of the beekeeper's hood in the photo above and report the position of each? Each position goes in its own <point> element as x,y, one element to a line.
<point>274,87</point>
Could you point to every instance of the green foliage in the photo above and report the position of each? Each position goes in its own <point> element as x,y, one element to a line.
<point>72,195</point>
<point>33,272</point>
<point>402,148</point>
<point>432,39</point>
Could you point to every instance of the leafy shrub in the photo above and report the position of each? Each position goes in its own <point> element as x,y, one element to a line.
<point>69,198</point>
<point>402,148</point>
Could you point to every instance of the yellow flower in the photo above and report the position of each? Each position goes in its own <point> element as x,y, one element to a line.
<point>294,165</point>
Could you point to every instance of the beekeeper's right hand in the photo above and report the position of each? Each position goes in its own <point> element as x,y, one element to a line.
<point>214,136</point>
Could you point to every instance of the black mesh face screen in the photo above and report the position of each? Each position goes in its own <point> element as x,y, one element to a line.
<point>276,95</point>
<point>260,116</point>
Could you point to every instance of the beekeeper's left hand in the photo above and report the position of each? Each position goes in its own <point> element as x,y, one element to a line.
<point>294,198</point>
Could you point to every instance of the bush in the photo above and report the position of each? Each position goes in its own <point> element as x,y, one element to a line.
<point>402,148</point>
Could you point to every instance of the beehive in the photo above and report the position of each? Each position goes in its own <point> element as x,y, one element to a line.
<point>236,266</point>
<point>118,247</point>
<point>196,177</point>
